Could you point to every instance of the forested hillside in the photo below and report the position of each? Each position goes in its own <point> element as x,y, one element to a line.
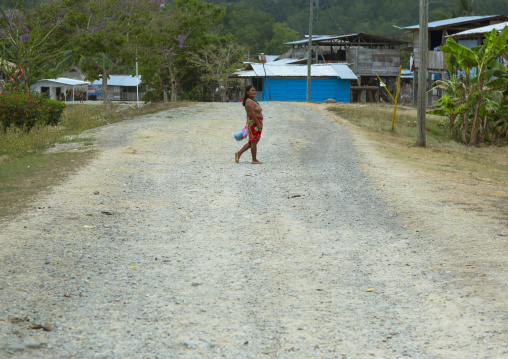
<point>251,21</point>
<point>264,25</point>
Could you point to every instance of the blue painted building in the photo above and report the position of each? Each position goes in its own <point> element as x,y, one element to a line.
<point>286,82</point>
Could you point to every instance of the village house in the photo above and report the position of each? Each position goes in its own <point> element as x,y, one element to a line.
<point>120,88</point>
<point>62,88</point>
<point>438,32</point>
<point>369,57</point>
<point>286,80</point>
<point>475,37</point>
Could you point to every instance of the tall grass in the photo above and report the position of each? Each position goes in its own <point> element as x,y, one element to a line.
<point>15,142</point>
<point>76,118</point>
<point>379,117</point>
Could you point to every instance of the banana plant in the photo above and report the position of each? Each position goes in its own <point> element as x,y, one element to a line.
<point>450,104</point>
<point>488,55</point>
<point>461,59</point>
<point>480,66</point>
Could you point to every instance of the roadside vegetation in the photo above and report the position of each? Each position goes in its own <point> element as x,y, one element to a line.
<point>488,162</point>
<point>475,102</point>
<point>16,142</point>
<point>27,168</point>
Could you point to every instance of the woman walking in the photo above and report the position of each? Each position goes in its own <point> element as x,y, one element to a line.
<point>254,124</point>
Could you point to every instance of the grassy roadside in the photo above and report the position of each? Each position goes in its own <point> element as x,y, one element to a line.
<point>27,169</point>
<point>21,180</point>
<point>440,154</point>
<point>471,173</point>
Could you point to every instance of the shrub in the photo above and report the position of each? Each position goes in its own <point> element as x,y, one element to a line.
<point>54,110</point>
<point>153,96</point>
<point>24,108</point>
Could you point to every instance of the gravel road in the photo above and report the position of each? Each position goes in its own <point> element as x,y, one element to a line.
<point>164,247</point>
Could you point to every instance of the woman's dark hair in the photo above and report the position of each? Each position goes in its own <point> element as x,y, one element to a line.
<point>245,95</point>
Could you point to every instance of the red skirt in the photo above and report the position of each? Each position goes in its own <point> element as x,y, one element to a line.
<point>252,129</point>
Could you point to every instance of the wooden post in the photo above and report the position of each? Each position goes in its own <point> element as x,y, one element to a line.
<point>396,97</point>
<point>309,53</point>
<point>422,73</point>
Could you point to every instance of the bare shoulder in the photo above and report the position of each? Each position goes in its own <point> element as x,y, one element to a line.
<point>250,103</point>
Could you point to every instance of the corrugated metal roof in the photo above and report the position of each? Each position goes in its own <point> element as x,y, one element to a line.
<point>244,73</point>
<point>348,35</point>
<point>121,80</point>
<point>67,81</point>
<point>314,38</point>
<point>286,61</point>
<point>319,70</point>
<point>344,72</point>
<point>271,58</point>
<point>356,38</point>
<point>482,30</point>
<point>454,21</point>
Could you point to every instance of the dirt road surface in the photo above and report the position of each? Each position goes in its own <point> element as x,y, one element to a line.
<point>164,247</point>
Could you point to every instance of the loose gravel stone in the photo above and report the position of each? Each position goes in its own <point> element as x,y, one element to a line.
<point>264,261</point>
<point>14,347</point>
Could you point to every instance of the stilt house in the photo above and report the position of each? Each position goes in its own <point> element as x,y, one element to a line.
<point>368,56</point>
<point>438,34</point>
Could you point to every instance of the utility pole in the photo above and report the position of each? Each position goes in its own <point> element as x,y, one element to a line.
<point>137,85</point>
<point>309,52</point>
<point>423,45</point>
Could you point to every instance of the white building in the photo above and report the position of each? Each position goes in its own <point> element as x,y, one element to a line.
<point>68,88</point>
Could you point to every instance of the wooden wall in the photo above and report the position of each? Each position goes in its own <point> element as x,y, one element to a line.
<point>368,62</point>
<point>435,60</point>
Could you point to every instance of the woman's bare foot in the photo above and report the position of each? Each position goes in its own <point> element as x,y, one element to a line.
<point>256,162</point>
<point>237,157</point>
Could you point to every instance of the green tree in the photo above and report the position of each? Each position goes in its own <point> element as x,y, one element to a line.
<point>17,4</point>
<point>462,8</point>
<point>451,104</point>
<point>485,77</point>
<point>182,28</point>
<point>34,41</point>
<point>110,27</point>
<point>282,33</point>
<point>218,60</point>
<point>158,49</point>
<point>249,26</point>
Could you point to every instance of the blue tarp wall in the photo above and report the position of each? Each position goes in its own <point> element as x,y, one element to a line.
<point>291,89</point>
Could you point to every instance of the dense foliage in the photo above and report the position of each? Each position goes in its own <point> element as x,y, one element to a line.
<point>251,22</point>
<point>336,17</point>
<point>25,109</point>
<point>476,99</point>
<point>34,40</point>
<point>175,34</point>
